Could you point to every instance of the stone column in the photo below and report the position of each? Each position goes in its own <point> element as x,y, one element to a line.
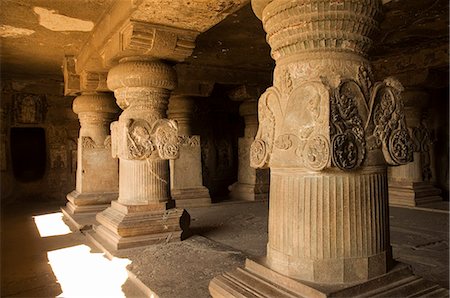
<point>252,184</point>
<point>326,130</point>
<point>186,182</point>
<point>97,171</point>
<point>143,140</point>
<point>411,184</point>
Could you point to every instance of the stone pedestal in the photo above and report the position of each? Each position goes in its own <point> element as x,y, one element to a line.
<point>412,184</point>
<point>144,141</point>
<point>326,130</point>
<point>97,171</point>
<point>186,172</point>
<point>252,184</point>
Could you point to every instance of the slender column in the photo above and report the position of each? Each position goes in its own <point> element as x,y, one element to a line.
<point>411,184</point>
<point>326,131</point>
<point>144,140</point>
<point>186,172</point>
<point>252,184</point>
<point>97,170</point>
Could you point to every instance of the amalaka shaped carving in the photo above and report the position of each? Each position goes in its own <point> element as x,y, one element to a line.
<point>388,117</point>
<point>143,139</point>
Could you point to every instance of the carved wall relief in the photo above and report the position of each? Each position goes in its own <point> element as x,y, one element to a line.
<point>29,108</point>
<point>422,142</point>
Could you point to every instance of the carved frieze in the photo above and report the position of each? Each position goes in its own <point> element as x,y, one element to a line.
<point>29,108</point>
<point>192,141</point>
<point>331,122</point>
<point>138,139</point>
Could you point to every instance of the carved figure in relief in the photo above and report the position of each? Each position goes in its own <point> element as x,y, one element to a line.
<point>144,140</point>
<point>422,142</point>
<point>29,108</point>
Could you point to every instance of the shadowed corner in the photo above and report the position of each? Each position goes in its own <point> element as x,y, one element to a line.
<point>185,221</point>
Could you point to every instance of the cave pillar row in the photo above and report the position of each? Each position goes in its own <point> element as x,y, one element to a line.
<point>186,180</point>
<point>412,184</point>
<point>97,171</point>
<point>252,184</point>
<point>144,139</point>
<point>327,131</point>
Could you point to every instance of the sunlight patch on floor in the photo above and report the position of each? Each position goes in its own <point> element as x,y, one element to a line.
<point>51,224</point>
<point>84,274</point>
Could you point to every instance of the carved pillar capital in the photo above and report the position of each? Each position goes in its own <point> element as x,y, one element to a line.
<point>95,112</point>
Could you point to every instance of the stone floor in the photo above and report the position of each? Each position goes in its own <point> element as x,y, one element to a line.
<point>223,236</point>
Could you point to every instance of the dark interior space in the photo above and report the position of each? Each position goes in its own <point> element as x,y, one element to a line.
<point>28,153</point>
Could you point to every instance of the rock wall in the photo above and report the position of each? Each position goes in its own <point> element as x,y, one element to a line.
<point>37,104</point>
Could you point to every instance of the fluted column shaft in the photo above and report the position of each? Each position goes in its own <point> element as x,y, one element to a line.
<point>324,128</point>
<point>142,138</point>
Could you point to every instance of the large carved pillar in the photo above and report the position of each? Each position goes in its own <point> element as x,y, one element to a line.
<point>97,171</point>
<point>326,130</point>
<point>143,140</point>
<point>186,172</point>
<point>252,184</point>
<point>411,184</point>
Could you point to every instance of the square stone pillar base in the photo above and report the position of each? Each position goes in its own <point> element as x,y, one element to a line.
<point>412,193</point>
<point>82,208</point>
<point>191,197</point>
<point>257,280</point>
<point>130,226</point>
<point>247,192</point>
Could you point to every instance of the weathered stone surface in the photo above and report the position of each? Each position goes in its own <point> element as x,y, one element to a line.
<point>97,171</point>
<point>326,131</point>
<point>412,184</point>
<point>143,140</point>
<point>252,184</point>
<point>186,183</point>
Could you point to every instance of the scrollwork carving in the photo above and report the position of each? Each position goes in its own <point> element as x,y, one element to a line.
<point>261,148</point>
<point>140,143</point>
<point>390,128</point>
<point>346,126</point>
<point>316,154</point>
<point>192,141</point>
<point>88,143</point>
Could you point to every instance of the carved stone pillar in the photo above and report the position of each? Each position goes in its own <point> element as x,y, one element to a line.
<point>97,171</point>
<point>326,130</point>
<point>143,140</point>
<point>186,182</point>
<point>252,184</point>
<point>411,184</point>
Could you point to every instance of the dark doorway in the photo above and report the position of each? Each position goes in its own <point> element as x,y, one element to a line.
<point>28,153</point>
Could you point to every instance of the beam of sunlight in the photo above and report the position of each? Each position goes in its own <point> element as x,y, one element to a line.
<point>84,274</point>
<point>51,224</point>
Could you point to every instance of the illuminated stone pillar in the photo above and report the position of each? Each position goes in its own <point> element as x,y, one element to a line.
<point>97,171</point>
<point>252,184</point>
<point>411,184</point>
<point>326,131</point>
<point>186,172</point>
<point>143,140</point>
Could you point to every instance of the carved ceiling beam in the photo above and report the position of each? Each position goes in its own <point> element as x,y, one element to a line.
<point>245,92</point>
<point>418,63</point>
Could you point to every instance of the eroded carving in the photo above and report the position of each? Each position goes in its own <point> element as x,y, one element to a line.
<point>143,140</point>
<point>29,108</point>
<point>346,126</point>
<point>317,153</point>
<point>88,143</point>
<point>390,127</point>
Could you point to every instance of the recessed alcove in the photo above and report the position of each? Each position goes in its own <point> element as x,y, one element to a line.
<point>28,153</point>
